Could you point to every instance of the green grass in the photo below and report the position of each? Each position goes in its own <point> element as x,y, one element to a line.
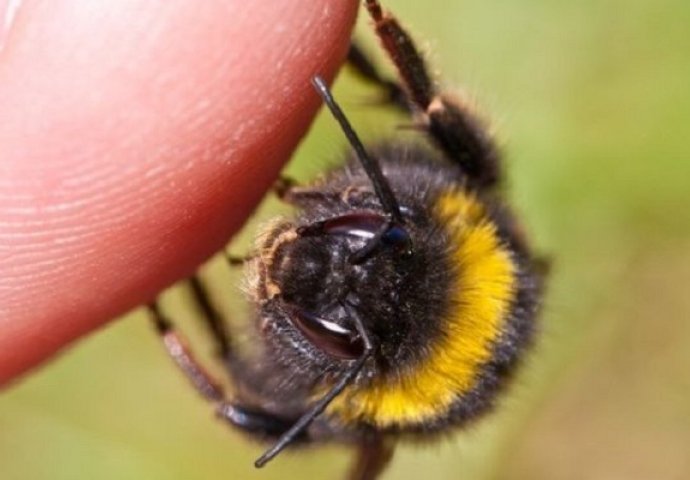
<point>592,102</point>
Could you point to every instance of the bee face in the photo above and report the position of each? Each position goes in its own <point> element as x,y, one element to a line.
<point>320,264</point>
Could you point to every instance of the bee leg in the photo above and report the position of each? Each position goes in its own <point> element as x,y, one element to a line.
<point>181,354</point>
<point>250,420</point>
<point>259,423</point>
<point>373,456</point>
<point>291,192</point>
<point>283,187</point>
<point>235,261</point>
<point>452,126</point>
<point>212,317</point>
<point>364,67</point>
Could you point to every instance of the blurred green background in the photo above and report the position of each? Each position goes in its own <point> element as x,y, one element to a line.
<point>591,100</point>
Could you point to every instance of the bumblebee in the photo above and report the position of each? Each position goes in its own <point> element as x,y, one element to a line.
<point>398,301</point>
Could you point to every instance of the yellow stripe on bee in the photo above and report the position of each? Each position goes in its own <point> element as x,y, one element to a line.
<point>484,287</point>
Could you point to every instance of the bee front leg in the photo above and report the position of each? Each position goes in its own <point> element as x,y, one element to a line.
<point>178,349</point>
<point>256,422</point>
<point>259,423</point>
<point>211,316</point>
<point>290,191</point>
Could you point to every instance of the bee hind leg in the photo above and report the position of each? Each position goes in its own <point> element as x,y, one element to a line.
<point>453,127</point>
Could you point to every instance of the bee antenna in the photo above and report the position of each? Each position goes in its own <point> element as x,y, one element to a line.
<point>371,167</point>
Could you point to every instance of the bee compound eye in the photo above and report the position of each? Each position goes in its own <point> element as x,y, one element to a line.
<point>330,337</point>
<point>363,225</point>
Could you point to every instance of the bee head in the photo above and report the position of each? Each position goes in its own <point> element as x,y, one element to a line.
<point>359,258</point>
<point>358,262</point>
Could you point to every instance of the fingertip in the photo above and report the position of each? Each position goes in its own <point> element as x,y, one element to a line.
<point>133,156</point>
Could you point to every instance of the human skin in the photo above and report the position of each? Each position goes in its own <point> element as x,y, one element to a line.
<point>135,138</point>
